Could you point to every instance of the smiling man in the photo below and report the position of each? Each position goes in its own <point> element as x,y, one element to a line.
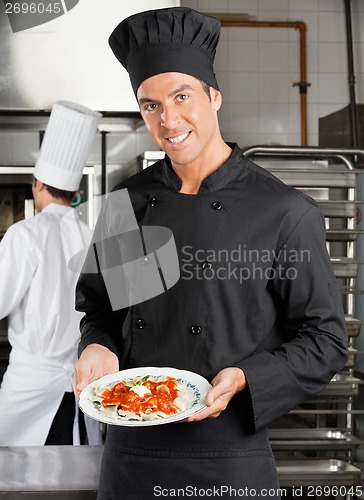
<point>266,340</point>
<point>182,119</point>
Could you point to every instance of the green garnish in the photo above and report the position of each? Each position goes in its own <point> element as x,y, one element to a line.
<point>140,382</point>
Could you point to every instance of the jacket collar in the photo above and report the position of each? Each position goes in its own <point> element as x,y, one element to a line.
<point>56,207</point>
<point>216,180</point>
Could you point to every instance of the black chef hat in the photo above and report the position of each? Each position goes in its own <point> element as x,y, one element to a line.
<point>176,39</point>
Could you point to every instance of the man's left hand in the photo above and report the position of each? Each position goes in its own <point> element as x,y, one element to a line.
<point>225,385</point>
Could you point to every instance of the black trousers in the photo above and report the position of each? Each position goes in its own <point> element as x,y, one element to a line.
<point>61,431</point>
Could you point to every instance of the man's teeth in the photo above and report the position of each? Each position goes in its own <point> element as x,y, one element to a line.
<point>180,138</point>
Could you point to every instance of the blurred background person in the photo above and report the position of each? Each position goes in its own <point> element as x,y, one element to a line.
<point>37,291</point>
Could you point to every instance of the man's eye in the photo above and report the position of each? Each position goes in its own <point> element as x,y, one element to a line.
<point>182,97</point>
<point>150,107</point>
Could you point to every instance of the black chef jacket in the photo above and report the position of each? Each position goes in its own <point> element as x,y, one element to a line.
<point>256,291</point>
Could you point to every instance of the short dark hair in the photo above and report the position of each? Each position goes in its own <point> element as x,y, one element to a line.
<point>60,193</point>
<point>206,88</point>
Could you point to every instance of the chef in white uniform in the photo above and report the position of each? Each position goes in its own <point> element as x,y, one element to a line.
<point>37,288</point>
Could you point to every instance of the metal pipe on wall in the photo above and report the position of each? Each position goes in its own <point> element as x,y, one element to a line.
<point>238,21</point>
<point>351,75</point>
<point>103,161</point>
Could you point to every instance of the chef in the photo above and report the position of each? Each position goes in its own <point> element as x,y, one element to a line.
<point>256,310</point>
<point>37,288</point>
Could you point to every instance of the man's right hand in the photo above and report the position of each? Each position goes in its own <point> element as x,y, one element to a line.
<point>95,362</point>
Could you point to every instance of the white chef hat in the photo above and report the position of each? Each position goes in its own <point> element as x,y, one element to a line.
<point>66,145</point>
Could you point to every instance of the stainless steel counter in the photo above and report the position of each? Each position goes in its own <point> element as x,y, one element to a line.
<point>50,470</point>
<point>72,472</point>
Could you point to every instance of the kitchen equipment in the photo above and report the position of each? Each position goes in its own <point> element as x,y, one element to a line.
<point>311,473</point>
<point>16,200</point>
<point>312,439</point>
<point>149,157</point>
<point>323,427</point>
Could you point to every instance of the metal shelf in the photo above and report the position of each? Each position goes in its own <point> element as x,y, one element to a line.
<point>329,176</point>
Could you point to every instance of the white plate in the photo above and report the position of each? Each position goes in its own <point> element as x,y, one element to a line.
<point>197,384</point>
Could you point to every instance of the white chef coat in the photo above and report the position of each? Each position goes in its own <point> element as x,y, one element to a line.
<point>37,293</point>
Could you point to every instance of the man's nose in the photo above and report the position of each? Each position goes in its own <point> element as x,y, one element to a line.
<point>170,117</point>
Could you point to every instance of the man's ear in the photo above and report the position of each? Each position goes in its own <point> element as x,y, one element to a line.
<point>216,98</point>
<point>38,185</point>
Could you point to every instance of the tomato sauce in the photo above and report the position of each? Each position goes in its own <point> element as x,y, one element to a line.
<point>161,398</point>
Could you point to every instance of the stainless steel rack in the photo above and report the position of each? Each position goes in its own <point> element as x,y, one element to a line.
<point>318,438</point>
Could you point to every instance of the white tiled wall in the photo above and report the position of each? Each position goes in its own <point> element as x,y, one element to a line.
<point>256,67</point>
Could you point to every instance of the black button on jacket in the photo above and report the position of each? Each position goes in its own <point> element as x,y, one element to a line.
<point>269,303</point>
